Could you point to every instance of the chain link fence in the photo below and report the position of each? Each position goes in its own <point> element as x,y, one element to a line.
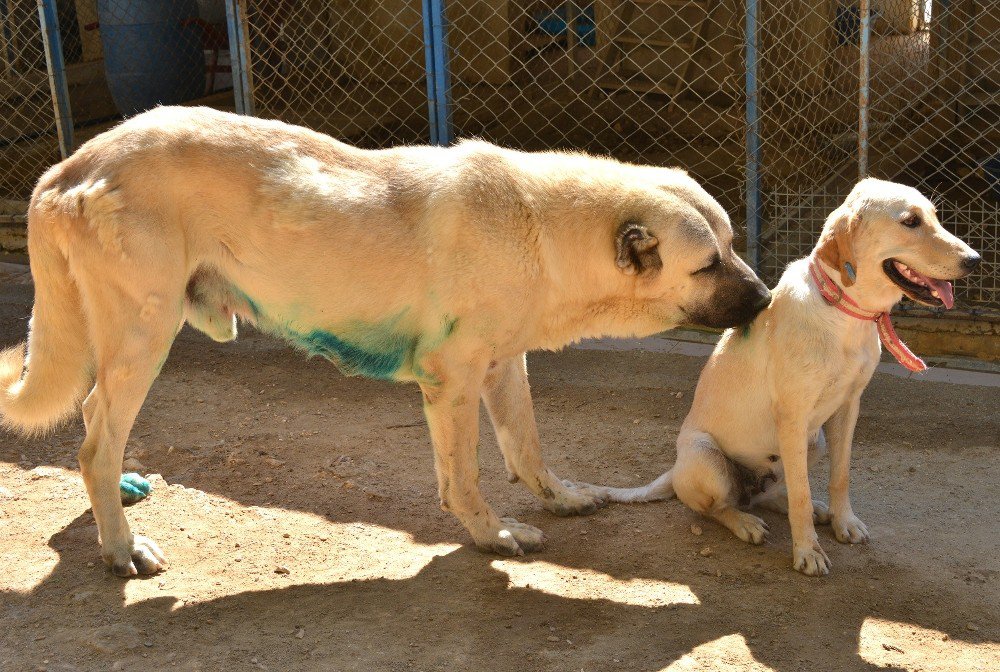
<point>351,68</point>
<point>657,82</point>
<point>654,81</point>
<point>28,140</point>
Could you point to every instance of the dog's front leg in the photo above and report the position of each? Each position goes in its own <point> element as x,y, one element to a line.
<point>451,404</point>
<point>507,396</point>
<point>840,434</point>
<point>808,556</point>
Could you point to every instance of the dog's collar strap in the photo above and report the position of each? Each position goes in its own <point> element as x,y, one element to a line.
<point>834,295</point>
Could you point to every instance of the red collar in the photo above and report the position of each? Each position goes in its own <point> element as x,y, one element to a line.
<point>834,295</point>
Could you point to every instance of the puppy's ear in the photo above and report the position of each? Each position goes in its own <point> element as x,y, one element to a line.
<point>636,249</point>
<point>836,244</point>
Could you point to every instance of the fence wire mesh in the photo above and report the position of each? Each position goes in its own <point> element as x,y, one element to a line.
<point>28,140</point>
<point>659,82</point>
<point>350,68</point>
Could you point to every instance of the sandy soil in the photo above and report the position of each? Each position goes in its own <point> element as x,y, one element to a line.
<point>266,460</point>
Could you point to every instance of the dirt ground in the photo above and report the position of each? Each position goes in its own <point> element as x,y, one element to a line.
<point>265,460</point>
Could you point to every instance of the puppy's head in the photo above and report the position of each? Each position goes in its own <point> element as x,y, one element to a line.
<point>679,245</point>
<point>887,242</point>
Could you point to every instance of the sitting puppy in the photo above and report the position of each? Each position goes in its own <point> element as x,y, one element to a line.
<point>769,389</point>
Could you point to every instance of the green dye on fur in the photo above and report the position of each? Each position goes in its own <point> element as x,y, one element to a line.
<point>382,350</point>
<point>133,488</point>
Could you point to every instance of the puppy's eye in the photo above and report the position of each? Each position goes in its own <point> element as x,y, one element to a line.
<point>712,265</point>
<point>911,221</point>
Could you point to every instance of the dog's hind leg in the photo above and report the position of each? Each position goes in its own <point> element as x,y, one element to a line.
<point>707,481</point>
<point>132,321</point>
<point>508,400</point>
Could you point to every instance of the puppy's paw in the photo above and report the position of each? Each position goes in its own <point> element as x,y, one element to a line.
<point>512,538</point>
<point>145,557</point>
<point>750,528</point>
<point>850,530</point>
<point>576,499</point>
<point>821,513</point>
<point>811,560</point>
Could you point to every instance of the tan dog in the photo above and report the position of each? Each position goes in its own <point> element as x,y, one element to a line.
<point>769,389</point>
<point>439,266</point>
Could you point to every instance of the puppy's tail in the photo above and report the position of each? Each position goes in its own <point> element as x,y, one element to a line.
<point>661,488</point>
<point>42,380</point>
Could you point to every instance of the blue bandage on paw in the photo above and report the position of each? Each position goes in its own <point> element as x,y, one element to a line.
<point>134,488</point>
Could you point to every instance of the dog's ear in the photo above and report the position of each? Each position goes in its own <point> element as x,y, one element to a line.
<point>836,244</point>
<point>636,249</point>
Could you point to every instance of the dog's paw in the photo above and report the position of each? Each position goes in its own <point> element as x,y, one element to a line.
<point>576,499</point>
<point>512,538</point>
<point>811,560</point>
<point>850,530</point>
<point>145,557</point>
<point>821,513</point>
<point>750,528</point>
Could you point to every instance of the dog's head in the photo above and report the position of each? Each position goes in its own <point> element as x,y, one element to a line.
<point>679,245</point>
<point>886,241</point>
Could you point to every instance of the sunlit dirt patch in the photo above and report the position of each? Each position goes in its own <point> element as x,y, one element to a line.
<point>905,646</point>
<point>725,653</point>
<point>587,584</point>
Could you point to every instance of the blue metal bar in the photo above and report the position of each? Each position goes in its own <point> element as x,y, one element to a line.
<point>864,63</point>
<point>239,56</point>
<point>48,17</point>
<point>438,71</point>
<point>442,73</point>
<point>430,66</point>
<point>752,139</point>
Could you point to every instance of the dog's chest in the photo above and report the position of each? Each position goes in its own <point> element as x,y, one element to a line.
<point>846,379</point>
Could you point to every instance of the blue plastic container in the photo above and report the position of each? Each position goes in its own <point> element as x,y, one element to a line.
<point>149,57</point>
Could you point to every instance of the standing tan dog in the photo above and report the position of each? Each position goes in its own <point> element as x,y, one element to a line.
<point>439,266</point>
<point>769,389</point>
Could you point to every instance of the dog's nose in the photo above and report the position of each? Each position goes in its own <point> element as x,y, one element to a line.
<point>762,302</point>
<point>971,262</point>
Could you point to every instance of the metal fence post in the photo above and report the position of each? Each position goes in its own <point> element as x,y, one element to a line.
<point>863,91</point>
<point>49,18</point>
<point>239,56</point>
<point>438,73</point>
<point>752,139</point>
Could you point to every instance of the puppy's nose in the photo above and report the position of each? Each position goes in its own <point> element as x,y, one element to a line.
<point>971,262</point>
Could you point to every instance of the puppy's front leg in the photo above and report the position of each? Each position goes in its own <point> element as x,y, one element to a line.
<point>508,400</point>
<point>451,404</point>
<point>840,434</point>
<point>808,556</point>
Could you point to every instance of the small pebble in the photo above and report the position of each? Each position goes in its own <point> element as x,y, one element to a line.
<point>973,627</point>
<point>300,633</point>
<point>705,552</point>
<point>696,530</point>
<point>552,638</point>
<point>281,569</point>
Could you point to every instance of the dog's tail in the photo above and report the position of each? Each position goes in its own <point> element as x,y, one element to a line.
<point>42,380</point>
<point>661,488</point>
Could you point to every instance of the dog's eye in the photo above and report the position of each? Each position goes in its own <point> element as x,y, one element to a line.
<point>714,264</point>
<point>911,221</point>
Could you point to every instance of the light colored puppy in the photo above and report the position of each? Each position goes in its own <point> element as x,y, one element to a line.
<point>441,266</point>
<point>769,389</point>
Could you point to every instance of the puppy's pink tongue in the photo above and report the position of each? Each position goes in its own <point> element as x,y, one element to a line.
<point>944,291</point>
